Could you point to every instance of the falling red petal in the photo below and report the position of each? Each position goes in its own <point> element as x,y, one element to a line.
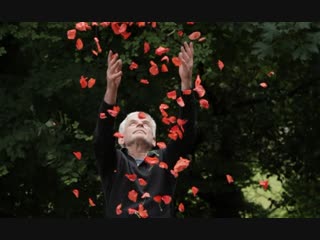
<point>264,184</point>
<point>76,192</point>
<point>187,92</point>
<point>83,82</point>
<point>263,85</point>
<point>151,160</point>
<point>146,47</point>
<point>172,94</point>
<point>144,81</point>
<point>270,74</point>
<point>176,61</point>
<point>202,39</point>
<point>79,44</point>
<point>204,103</point>
<point>163,106</point>
<point>180,33</point>
<point>142,115</point>
<point>142,182</point>
<point>132,195</point>
<point>154,70</point>
<point>78,155</point>
<point>103,115</point>
<point>92,204</point>
<point>71,34</point>
<point>163,165</point>
<point>166,199</point>
<point>82,26</point>
<point>194,190</point>
<point>180,102</point>
<point>195,35</point>
<point>131,177</point>
<point>118,135</point>
<point>164,68</point>
<point>133,66</point>
<point>145,195</point>
<point>118,209</point>
<point>157,198</point>
<point>220,65</point>
<point>181,207</point>
<point>229,178</point>
<point>181,164</point>
<point>165,58</point>
<point>91,82</point>
<point>161,50</point>
<point>161,145</point>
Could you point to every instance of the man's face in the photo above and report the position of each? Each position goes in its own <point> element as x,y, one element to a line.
<point>138,130</point>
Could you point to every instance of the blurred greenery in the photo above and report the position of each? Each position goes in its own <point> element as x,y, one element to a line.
<point>250,132</point>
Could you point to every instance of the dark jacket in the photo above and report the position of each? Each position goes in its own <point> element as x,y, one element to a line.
<point>114,163</point>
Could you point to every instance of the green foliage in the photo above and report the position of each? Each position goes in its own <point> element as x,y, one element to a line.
<point>249,132</point>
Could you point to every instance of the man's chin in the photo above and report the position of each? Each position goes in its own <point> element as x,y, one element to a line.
<point>140,140</point>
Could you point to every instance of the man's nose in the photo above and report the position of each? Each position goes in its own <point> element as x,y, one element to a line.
<point>140,124</point>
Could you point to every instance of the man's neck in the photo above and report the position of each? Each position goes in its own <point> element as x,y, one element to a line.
<point>138,151</point>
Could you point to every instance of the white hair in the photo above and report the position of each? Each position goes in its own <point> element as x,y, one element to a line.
<point>153,123</point>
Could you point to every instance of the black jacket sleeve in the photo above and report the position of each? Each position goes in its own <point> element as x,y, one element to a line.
<point>185,146</point>
<point>104,142</point>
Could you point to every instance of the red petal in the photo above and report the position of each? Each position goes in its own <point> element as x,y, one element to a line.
<point>71,34</point>
<point>132,195</point>
<point>76,192</point>
<point>164,68</point>
<point>133,66</point>
<point>220,65</point>
<point>92,204</point>
<point>144,81</point>
<point>204,103</point>
<point>194,190</point>
<point>187,92</point>
<point>229,178</point>
<point>79,44</point>
<point>157,198</point>
<point>172,94</point>
<point>146,47</point>
<point>165,58</point>
<point>142,182</point>
<point>154,70</point>
<point>91,82</point>
<point>145,195</point>
<point>163,165</point>
<point>131,177</point>
<point>118,209</point>
<point>151,160</point>
<point>166,199</point>
<point>161,50</point>
<point>77,155</point>
<point>195,35</point>
<point>181,207</point>
<point>180,101</point>
<point>103,115</point>
<point>142,115</point>
<point>263,85</point>
<point>163,106</point>
<point>176,61</point>
<point>118,135</point>
<point>161,145</point>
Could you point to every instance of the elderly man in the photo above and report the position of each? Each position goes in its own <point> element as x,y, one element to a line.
<point>139,180</point>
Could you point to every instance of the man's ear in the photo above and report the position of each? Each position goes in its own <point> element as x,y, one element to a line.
<point>121,141</point>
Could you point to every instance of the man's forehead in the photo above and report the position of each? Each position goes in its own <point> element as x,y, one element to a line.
<point>135,116</point>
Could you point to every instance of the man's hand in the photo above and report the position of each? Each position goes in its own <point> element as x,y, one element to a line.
<point>113,77</point>
<point>185,69</point>
<point>114,71</point>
